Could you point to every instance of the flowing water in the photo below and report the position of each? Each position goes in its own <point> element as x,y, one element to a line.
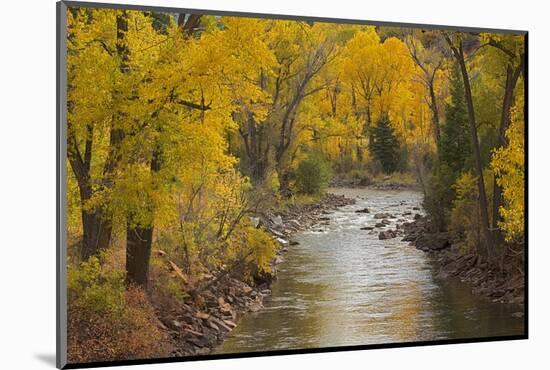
<point>342,286</point>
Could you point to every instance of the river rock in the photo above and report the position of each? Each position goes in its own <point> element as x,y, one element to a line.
<point>385,222</point>
<point>276,233</point>
<point>282,242</point>
<point>364,210</point>
<point>367,228</point>
<point>382,215</point>
<point>379,224</point>
<point>294,223</point>
<point>256,222</point>
<point>436,242</point>
<point>255,306</point>
<point>388,234</point>
<point>277,220</point>
<point>202,315</point>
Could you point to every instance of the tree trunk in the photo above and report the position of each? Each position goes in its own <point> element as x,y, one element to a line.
<point>139,238</point>
<point>95,226</point>
<point>435,117</point>
<point>96,233</point>
<point>368,129</point>
<point>253,142</point>
<point>138,252</point>
<point>459,55</point>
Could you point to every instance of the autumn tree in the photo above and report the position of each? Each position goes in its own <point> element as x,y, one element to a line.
<point>508,55</point>
<point>509,165</point>
<point>430,61</point>
<point>97,69</point>
<point>301,51</point>
<point>456,44</point>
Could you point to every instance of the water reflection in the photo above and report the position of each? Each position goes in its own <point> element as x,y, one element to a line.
<point>342,286</point>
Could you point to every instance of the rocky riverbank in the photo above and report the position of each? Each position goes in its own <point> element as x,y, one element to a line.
<point>385,183</point>
<point>201,323</point>
<point>498,285</point>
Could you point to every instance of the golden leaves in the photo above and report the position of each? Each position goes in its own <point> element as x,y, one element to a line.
<point>508,164</point>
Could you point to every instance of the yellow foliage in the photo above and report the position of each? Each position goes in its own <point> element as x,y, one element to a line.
<point>508,164</point>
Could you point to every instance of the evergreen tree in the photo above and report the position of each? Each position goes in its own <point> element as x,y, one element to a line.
<point>456,150</point>
<point>385,145</point>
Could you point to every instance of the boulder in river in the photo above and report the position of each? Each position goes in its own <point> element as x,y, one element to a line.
<point>367,228</point>
<point>382,215</point>
<point>363,210</point>
<point>379,224</point>
<point>388,234</point>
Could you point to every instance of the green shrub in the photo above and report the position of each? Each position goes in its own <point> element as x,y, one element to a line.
<point>439,197</point>
<point>92,288</point>
<point>465,215</point>
<point>313,175</point>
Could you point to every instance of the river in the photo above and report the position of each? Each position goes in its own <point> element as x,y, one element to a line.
<point>342,286</point>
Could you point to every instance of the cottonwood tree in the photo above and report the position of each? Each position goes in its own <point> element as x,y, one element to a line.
<point>507,56</point>
<point>97,69</point>
<point>455,42</point>
<point>431,62</point>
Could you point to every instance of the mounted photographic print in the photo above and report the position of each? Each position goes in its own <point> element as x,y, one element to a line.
<point>235,184</point>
